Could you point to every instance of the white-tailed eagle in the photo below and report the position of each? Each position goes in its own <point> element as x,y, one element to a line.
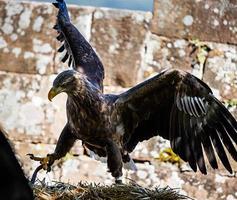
<point>174,105</point>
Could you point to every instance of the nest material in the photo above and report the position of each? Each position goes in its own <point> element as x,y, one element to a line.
<point>85,191</point>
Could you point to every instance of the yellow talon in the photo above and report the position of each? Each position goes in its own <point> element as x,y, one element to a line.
<point>35,158</point>
<point>46,162</point>
<point>167,155</point>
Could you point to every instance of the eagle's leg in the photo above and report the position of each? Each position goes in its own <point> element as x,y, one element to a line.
<point>114,161</point>
<point>64,144</point>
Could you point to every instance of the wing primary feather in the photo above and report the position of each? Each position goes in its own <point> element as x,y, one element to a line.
<point>183,144</point>
<point>183,105</point>
<point>196,113</point>
<point>56,27</point>
<point>65,58</point>
<point>73,62</point>
<point>178,138</point>
<point>228,121</point>
<point>200,104</point>
<point>172,127</point>
<point>229,128</point>
<point>187,154</point>
<point>185,98</point>
<point>228,116</point>
<point>220,150</point>
<point>178,103</point>
<point>199,153</point>
<point>197,105</point>
<point>208,148</point>
<point>200,101</point>
<point>192,107</point>
<point>60,37</point>
<point>188,151</point>
<point>61,49</point>
<point>226,141</point>
<point>55,4</point>
<point>191,138</point>
<point>70,61</point>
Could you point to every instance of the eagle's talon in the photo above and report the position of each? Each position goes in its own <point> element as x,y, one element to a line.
<point>33,157</point>
<point>46,162</point>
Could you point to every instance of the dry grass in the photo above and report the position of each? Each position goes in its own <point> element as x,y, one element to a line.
<point>84,191</point>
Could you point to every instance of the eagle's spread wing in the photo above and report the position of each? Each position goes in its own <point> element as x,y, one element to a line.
<point>181,108</point>
<point>79,52</point>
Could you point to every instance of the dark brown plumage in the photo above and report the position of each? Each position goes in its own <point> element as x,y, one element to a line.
<point>174,104</point>
<point>13,184</point>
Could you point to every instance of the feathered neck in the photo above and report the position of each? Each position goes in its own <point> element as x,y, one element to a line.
<point>85,94</point>
<point>84,105</point>
<point>84,86</point>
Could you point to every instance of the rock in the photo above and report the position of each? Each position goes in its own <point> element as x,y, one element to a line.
<point>163,53</point>
<point>29,39</point>
<point>220,70</point>
<point>142,174</point>
<point>27,43</point>
<point>230,197</point>
<point>26,111</point>
<point>206,20</point>
<point>118,37</point>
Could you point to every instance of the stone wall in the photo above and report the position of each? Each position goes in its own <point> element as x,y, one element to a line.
<point>196,36</point>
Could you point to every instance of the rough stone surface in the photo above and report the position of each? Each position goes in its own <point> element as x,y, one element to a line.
<point>130,52</point>
<point>221,69</point>
<point>119,39</point>
<point>211,20</point>
<point>25,109</point>
<point>27,37</point>
<point>162,53</point>
<point>215,63</point>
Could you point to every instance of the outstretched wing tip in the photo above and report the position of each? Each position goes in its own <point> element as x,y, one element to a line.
<point>55,4</point>
<point>79,53</point>
<point>56,27</point>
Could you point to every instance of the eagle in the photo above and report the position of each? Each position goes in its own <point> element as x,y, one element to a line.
<point>13,183</point>
<point>173,104</point>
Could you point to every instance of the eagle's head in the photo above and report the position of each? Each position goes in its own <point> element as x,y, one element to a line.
<point>67,81</point>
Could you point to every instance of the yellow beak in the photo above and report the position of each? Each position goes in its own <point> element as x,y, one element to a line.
<point>54,91</point>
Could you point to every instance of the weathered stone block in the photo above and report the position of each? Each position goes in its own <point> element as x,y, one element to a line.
<point>119,37</point>
<point>220,70</point>
<point>26,37</point>
<point>215,63</point>
<point>163,53</point>
<point>27,40</point>
<point>25,111</point>
<point>211,20</point>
